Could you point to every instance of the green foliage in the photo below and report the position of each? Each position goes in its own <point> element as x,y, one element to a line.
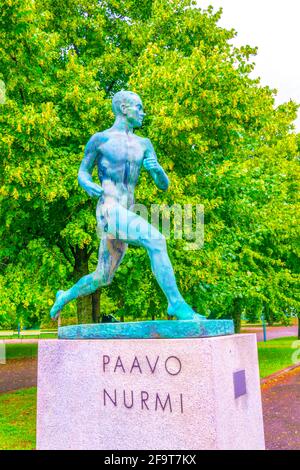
<point>216,131</point>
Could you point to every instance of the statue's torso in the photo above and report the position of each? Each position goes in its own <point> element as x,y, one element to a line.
<point>120,157</point>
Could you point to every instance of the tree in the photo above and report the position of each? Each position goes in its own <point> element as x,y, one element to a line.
<point>216,131</point>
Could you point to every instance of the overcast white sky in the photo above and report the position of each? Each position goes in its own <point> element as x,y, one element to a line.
<point>274,27</point>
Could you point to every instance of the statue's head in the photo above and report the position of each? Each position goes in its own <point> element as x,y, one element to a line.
<point>130,106</point>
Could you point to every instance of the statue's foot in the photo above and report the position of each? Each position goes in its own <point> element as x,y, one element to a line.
<point>182,311</point>
<point>57,306</point>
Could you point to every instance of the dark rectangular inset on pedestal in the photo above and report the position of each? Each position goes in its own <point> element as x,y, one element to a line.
<point>239,381</point>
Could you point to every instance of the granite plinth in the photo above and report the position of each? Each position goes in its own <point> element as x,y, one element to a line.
<point>186,394</point>
<point>148,329</point>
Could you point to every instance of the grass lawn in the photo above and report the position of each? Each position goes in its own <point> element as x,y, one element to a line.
<point>275,355</point>
<point>21,350</point>
<point>17,420</point>
<point>43,336</point>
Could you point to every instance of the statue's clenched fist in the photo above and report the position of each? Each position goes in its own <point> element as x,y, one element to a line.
<point>151,163</point>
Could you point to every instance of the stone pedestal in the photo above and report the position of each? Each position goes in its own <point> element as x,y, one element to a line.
<point>164,394</point>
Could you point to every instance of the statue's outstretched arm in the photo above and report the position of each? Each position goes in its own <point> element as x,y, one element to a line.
<point>86,168</point>
<point>156,171</point>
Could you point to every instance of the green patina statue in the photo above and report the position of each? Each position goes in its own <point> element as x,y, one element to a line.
<point>119,155</point>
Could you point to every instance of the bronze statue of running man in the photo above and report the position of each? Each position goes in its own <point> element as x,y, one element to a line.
<point>119,155</point>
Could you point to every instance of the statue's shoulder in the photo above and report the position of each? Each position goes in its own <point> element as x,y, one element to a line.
<point>99,137</point>
<point>95,142</point>
<point>147,144</point>
<point>144,141</point>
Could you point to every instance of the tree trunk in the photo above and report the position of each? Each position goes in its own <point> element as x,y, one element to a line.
<point>84,304</point>
<point>237,316</point>
<point>152,310</point>
<point>96,296</point>
<point>268,315</point>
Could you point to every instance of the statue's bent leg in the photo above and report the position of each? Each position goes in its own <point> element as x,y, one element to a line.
<point>111,253</point>
<point>133,229</point>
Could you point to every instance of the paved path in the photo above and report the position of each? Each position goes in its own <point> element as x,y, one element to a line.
<point>18,373</point>
<point>273,332</point>
<point>281,409</point>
